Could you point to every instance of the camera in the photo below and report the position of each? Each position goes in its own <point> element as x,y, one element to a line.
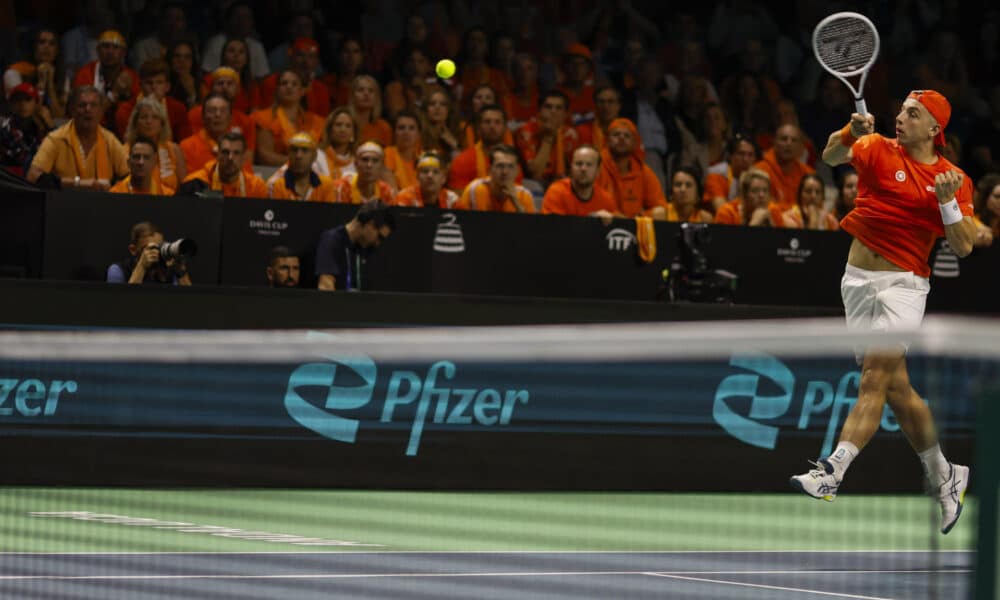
<point>689,278</point>
<point>177,249</point>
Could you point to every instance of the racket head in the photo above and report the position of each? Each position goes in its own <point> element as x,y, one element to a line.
<point>846,44</point>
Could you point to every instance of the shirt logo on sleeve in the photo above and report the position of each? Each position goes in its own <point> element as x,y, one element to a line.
<point>900,176</point>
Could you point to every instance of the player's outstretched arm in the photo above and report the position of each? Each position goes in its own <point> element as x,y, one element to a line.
<point>838,147</point>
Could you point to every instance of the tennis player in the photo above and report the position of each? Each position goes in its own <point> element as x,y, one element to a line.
<point>908,196</point>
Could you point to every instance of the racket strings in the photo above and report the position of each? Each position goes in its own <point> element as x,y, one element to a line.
<point>846,45</point>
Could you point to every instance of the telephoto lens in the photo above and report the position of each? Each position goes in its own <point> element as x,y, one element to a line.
<point>177,249</point>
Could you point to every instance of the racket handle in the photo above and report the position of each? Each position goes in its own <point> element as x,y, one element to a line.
<point>860,107</point>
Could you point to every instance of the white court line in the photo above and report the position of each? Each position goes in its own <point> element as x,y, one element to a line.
<point>768,587</point>
<point>338,552</point>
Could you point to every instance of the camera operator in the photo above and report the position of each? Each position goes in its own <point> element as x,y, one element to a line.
<point>145,265</point>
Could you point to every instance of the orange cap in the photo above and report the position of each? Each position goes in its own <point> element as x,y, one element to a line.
<point>225,72</point>
<point>111,36</point>
<point>938,106</point>
<point>578,49</point>
<point>304,44</point>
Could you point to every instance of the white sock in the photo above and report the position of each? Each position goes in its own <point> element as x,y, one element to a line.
<point>843,454</point>
<point>935,465</point>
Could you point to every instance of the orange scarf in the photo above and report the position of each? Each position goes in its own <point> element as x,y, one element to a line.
<point>356,197</point>
<point>287,128</point>
<point>218,186</point>
<point>155,188</point>
<point>101,152</point>
<point>404,170</point>
<point>337,162</point>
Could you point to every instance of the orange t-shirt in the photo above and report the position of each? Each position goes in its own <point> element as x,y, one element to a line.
<point>378,131</point>
<point>592,133</point>
<point>696,216</point>
<point>560,199</point>
<point>244,102</point>
<point>478,196</point>
<point>518,112</point>
<point>896,213</point>
<point>636,192</point>
<point>317,96</point>
<point>581,105</point>
<point>282,130</point>
<point>155,188</point>
<point>470,164</point>
<point>241,123</point>
<point>321,188</point>
<point>346,191</point>
<point>405,171</point>
<point>412,196</point>
<point>529,139</point>
<point>247,185</point>
<point>784,181</point>
<point>730,213</point>
<point>87,75</point>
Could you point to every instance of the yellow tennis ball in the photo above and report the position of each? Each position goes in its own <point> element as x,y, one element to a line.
<point>445,69</point>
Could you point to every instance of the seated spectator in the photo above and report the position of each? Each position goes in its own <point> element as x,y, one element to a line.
<point>751,208</point>
<point>474,69</point>
<point>304,22</point>
<point>655,119</point>
<point>785,113</point>
<point>365,185</point>
<point>578,84</point>
<point>234,56</point>
<point>499,191</point>
<point>81,154</point>
<point>21,131</point>
<point>987,205</point>
<point>401,158</point>
<point>474,162</point>
<point>283,268</point>
<point>44,72</point>
<point>140,180</point>
<point>226,174</point>
<point>286,117</point>
<point>144,264</point>
<point>429,189</point>
<point>226,82</point>
<point>340,138</point>
<point>722,183</point>
<point>522,103</point>
<point>238,23</point>
<point>415,78</point>
<point>342,252</point>
<point>712,137</point>
<point>109,75</point>
<point>443,132</point>
<point>79,44</point>
<point>685,197</point>
<point>154,83</point>
<point>626,177</point>
<point>577,195</point>
<point>149,120</point>
<point>185,74</point>
<point>296,179</point>
<point>350,60</point>
<point>171,28</point>
<point>366,108</point>
<point>784,165</point>
<point>847,191</point>
<point>749,109</point>
<point>547,143</point>
<point>807,213</point>
<point>607,108</point>
<point>483,95</point>
<point>303,58</point>
<point>200,148</point>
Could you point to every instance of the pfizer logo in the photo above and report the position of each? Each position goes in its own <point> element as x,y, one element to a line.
<point>268,215</point>
<point>900,176</point>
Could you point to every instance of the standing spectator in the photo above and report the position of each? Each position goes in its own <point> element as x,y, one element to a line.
<point>474,68</point>
<point>200,148</point>
<point>303,59</point>
<point>443,132</point>
<point>365,185</point>
<point>577,195</point>
<point>499,191</point>
<point>341,252</point>
<point>154,83</point>
<point>366,108</point>
<point>108,74</point>
<point>149,120</point>
<point>626,176</point>
<point>685,197</point>
<point>474,162</point>
<point>547,144</point>
<point>81,153</point>
<point>430,190</point>
<point>350,61</point>
<point>235,56</point>
<point>286,117</point>
<point>296,179</point>
<point>522,103</point>
<point>283,268</point>
<point>238,24</point>
<point>45,72</point>
<point>578,86</point>
<point>340,138</point>
<point>401,157</point>
<point>144,264</point>
<point>722,183</point>
<point>784,165</point>
<point>185,75</point>
<point>987,204</point>
<point>225,82</point>
<point>751,208</point>
<point>608,106</point>
<point>22,130</point>
<point>226,175</point>
<point>172,21</point>
<point>141,162</point>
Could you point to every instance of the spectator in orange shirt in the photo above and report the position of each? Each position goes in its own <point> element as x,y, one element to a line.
<point>474,68</point>
<point>303,58</point>
<point>109,74</point>
<point>752,206</point>
<point>401,158</point>
<point>625,175</point>
<point>608,107</point>
<point>277,125</point>
<point>474,162</point>
<point>784,165</point>
<point>430,190</point>
<point>365,185</point>
<point>340,138</point>
<point>366,107</point>
<point>499,191</point>
<point>235,55</point>
<point>226,82</point>
<point>578,72</point>
<point>140,180</point>
<point>522,103</point>
<point>685,196</point>
<point>484,95</point>
<point>296,179</point>
<point>808,211</point>
<point>722,183</point>
<point>200,148</point>
<point>443,132</point>
<point>577,195</point>
<point>149,120</point>
<point>547,143</point>
<point>154,83</point>
<point>227,175</point>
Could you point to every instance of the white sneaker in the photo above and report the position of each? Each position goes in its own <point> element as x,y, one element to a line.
<point>819,482</point>
<point>951,495</point>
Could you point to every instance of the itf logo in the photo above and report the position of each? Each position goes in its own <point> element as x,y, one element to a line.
<point>821,401</point>
<point>409,396</point>
<point>620,240</point>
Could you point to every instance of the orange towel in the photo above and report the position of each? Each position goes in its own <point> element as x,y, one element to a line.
<point>645,234</point>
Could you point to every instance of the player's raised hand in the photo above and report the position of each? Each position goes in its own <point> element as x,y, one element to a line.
<point>946,184</point>
<point>862,124</point>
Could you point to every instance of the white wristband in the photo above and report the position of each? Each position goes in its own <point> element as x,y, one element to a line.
<point>950,212</point>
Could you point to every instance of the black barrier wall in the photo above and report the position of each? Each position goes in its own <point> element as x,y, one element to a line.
<point>457,252</point>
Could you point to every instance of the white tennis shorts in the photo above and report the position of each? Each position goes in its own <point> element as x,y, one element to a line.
<point>883,300</point>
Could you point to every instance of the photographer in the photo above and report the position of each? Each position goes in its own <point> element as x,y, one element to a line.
<point>145,263</point>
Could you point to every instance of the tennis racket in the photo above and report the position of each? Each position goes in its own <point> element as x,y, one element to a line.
<point>846,45</point>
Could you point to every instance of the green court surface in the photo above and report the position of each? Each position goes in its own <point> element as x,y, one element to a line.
<point>253,520</point>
